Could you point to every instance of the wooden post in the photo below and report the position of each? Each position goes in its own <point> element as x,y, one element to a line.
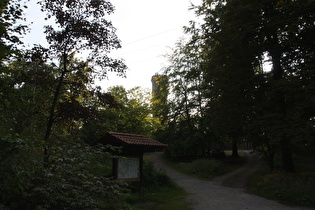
<point>141,175</point>
<point>115,168</point>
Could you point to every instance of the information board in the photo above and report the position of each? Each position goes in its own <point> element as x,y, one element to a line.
<point>128,168</point>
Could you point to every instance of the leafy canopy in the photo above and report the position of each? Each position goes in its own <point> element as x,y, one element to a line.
<point>82,27</point>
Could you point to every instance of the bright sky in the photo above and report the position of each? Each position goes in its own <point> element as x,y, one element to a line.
<point>146,29</point>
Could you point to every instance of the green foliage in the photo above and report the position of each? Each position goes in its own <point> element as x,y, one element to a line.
<point>17,165</point>
<point>48,105</point>
<point>203,168</point>
<point>11,12</point>
<point>71,181</point>
<point>126,111</point>
<point>222,88</point>
<point>160,93</point>
<point>160,192</point>
<point>155,179</point>
<point>28,91</point>
<point>83,26</point>
<point>186,142</point>
<point>76,178</point>
<point>80,26</point>
<point>185,130</point>
<point>25,88</point>
<point>296,189</point>
<point>290,188</point>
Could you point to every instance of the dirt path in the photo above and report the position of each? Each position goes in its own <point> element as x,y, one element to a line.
<point>205,195</point>
<point>239,177</point>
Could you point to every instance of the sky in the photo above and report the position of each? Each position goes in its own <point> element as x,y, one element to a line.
<point>148,29</point>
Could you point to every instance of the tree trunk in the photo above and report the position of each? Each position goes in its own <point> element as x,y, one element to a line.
<point>280,104</point>
<point>52,111</point>
<point>270,157</point>
<point>234,148</point>
<point>286,152</point>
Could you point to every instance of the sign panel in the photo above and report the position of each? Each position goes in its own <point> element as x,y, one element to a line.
<point>128,168</point>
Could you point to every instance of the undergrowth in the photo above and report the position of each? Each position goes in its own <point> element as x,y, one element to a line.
<point>289,188</point>
<point>160,192</point>
<point>208,168</point>
<point>203,168</point>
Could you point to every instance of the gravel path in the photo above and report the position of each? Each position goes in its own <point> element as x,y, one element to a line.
<point>206,195</point>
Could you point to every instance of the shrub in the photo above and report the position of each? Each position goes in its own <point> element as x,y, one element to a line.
<point>206,167</point>
<point>154,179</point>
<point>75,178</point>
<point>16,166</point>
<point>71,183</point>
<point>203,168</point>
<point>297,189</point>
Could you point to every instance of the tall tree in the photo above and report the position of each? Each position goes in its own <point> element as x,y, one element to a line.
<point>235,37</point>
<point>285,25</point>
<point>185,79</point>
<point>186,102</point>
<point>80,26</point>
<point>229,61</point>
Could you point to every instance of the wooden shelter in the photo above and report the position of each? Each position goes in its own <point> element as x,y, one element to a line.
<point>129,167</point>
<point>132,143</point>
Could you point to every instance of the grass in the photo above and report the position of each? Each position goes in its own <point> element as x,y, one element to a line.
<point>207,169</point>
<point>201,168</point>
<point>288,188</point>
<point>160,192</point>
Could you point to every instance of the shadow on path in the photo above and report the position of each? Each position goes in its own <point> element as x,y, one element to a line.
<point>239,177</point>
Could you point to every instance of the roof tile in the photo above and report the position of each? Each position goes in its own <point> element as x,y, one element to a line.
<point>135,139</point>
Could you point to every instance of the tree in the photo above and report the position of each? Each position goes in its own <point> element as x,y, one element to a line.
<point>81,27</point>
<point>135,115</point>
<point>185,79</point>
<point>186,103</point>
<point>10,13</point>
<point>285,24</point>
<point>235,40</point>
<point>160,93</point>
<point>227,44</point>
<point>120,110</point>
<point>76,174</point>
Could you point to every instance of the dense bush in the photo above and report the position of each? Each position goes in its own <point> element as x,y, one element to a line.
<point>76,177</point>
<point>154,178</point>
<point>296,189</point>
<point>291,188</point>
<point>203,168</point>
<point>206,167</point>
<point>76,180</point>
<point>16,167</point>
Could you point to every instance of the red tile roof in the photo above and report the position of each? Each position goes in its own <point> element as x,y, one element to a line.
<point>134,139</point>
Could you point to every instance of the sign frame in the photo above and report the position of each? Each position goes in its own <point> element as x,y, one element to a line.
<point>128,168</point>
<point>124,160</point>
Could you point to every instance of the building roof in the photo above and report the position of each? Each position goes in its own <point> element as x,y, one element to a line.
<point>126,139</point>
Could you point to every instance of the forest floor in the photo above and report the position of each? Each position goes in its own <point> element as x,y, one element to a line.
<point>223,192</point>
